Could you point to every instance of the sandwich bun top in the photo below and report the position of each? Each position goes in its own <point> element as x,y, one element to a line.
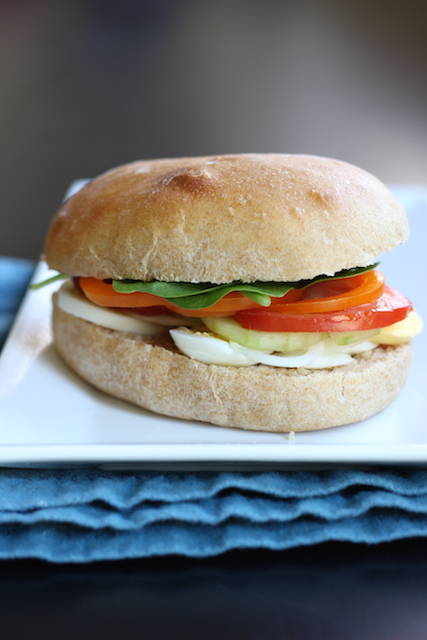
<point>267,217</point>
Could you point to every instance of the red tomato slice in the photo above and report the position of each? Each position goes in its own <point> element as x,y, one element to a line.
<point>392,306</point>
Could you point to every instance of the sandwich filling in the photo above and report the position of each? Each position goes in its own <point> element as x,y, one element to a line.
<point>314,324</point>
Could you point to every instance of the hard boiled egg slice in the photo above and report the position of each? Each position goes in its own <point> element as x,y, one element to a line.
<point>206,348</point>
<point>73,302</point>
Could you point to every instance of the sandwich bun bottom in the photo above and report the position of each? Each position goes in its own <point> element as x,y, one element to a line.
<point>151,373</point>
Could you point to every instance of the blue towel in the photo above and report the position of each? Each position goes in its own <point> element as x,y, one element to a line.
<point>15,275</point>
<point>82,515</point>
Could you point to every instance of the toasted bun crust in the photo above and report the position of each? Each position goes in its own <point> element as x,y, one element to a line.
<point>149,372</point>
<point>218,219</point>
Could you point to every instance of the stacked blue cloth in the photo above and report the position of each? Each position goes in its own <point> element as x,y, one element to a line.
<point>86,515</point>
<point>82,515</point>
<point>15,275</point>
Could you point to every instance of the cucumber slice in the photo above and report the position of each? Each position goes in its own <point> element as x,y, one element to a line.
<point>262,340</point>
<point>350,337</point>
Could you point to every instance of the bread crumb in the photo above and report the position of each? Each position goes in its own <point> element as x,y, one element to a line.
<point>291,437</point>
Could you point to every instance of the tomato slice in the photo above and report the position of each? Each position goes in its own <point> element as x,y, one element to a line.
<point>103,294</point>
<point>327,296</point>
<point>392,306</point>
<point>335,295</point>
<point>227,306</point>
<point>150,311</point>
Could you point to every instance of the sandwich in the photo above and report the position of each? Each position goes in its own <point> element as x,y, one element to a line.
<point>238,290</point>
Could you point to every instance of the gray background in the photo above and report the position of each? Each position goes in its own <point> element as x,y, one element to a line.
<point>86,85</point>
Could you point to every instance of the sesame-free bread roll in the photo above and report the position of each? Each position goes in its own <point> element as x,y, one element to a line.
<point>266,217</point>
<point>151,373</point>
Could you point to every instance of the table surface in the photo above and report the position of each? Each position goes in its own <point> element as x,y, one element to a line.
<point>331,591</point>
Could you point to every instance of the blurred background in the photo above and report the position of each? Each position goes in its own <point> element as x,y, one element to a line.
<point>86,85</point>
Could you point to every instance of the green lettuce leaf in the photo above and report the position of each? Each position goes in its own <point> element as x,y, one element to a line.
<point>39,285</point>
<point>204,295</point>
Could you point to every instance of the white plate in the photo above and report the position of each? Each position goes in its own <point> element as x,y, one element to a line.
<point>48,416</point>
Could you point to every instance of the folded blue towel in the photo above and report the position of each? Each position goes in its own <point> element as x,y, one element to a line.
<point>86,515</point>
<point>15,275</point>
<point>82,515</point>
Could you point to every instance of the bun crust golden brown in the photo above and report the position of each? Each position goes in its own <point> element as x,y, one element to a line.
<point>218,219</point>
<point>150,373</point>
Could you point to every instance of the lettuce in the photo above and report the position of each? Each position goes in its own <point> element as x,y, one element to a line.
<point>39,285</point>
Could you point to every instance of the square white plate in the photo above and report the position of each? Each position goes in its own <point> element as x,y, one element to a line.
<point>48,416</point>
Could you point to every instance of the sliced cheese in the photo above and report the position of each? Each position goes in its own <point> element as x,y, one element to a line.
<point>400,332</point>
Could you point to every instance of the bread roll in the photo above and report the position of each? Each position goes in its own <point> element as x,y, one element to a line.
<point>218,219</point>
<point>151,373</point>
